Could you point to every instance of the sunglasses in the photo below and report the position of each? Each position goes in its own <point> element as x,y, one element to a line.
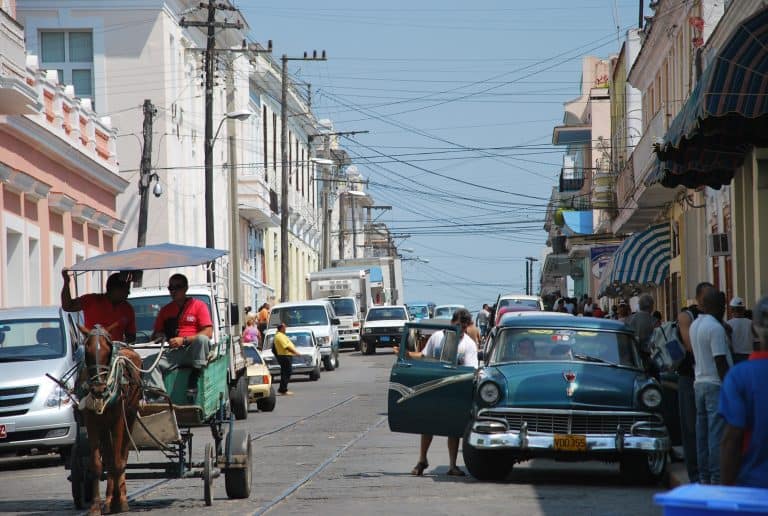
<point>175,287</point>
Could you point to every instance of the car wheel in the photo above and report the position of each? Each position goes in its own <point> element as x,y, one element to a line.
<point>268,404</point>
<point>315,374</point>
<point>336,360</point>
<point>328,362</point>
<point>238,397</point>
<point>644,468</point>
<point>487,465</point>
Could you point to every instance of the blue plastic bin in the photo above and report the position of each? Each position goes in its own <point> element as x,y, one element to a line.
<point>697,499</point>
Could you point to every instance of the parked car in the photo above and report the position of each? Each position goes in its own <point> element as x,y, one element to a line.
<point>383,326</point>
<point>568,388</point>
<point>348,312</point>
<point>446,311</point>
<point>35,412</point>
<point>316,316</point>
<point>260,388</point>
<point>307,363</point>
<point>419,310</point>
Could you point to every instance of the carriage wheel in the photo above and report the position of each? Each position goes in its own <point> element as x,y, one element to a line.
<point>80,481</point>
<point>237,481</point>
<point>208,464</point>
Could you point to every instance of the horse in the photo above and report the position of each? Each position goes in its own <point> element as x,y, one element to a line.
<point>113,388</point>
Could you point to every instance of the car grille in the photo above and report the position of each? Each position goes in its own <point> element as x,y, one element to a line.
<point>13,399</point>
<point>385,331</point>
<point>582,424</point>
<point>349,332</point>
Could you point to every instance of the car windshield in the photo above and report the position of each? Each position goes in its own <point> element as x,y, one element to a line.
<point>419,312</point>
<point>528,345</point>
<point>344,306</point>
<point>252,355</point>
<point>516,301</point>
<point>31,339</point>
<point>298,316</point>
<point>386,314</point>
<point>146,310</point>
<point>445,312</point>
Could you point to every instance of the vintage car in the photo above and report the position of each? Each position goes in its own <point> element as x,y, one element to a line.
<point>567,388</point>
<point>309,360</point>
<point>260,388</point>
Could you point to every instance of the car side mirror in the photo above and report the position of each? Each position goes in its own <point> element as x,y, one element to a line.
<point>335,321</point>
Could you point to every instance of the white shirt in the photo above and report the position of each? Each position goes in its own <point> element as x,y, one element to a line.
<point>742,335</point>
<point>708,340</point>
<point>467,349</point>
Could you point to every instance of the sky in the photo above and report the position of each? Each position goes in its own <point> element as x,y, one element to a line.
<point>459,100</point>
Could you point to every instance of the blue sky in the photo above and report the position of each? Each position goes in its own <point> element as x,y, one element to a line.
<point>459,100</point>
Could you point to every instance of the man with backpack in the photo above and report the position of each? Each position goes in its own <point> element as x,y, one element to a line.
<point>686,396</point>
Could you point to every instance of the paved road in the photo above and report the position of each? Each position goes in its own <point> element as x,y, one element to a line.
<point>336,455</point>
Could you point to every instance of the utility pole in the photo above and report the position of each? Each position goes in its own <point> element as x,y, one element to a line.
<point>284,274</point>
<point>210,52</point>
<point>145,177</point>
<point>529,274</point>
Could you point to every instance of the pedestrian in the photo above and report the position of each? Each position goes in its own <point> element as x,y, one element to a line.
<point>642,324</point>
<point>473,333</point>
<point>251,332</point>
<point>482,320</point>
<point>743,398</point>
<point>743,335</point>
<point>587,308</point>
<point>560,306</point>
<point>185,323</point>
<point>284,352</point>
<point>656,316</point>
<point>623,312</point>
<point>104,309</point>
<point>712,361</point>
<point>614,313</point>
<point>570,305</point>
<point>262,319</point>
<point>597,311</point>
<point>467,356</point>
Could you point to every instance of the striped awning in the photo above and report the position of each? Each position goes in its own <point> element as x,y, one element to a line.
<point>640,262</point>
<point>724,116</point>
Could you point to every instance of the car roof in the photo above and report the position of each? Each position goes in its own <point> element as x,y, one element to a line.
<point>387,306</point>
<point>450,306</point>
<point>31,312</point>
<point>309,302</point>
<point>548,319</point>
<point>519,296</point>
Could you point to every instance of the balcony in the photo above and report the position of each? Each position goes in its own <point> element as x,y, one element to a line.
<point>255,201</point>
<point>571,179</point>
<point>16,96</point>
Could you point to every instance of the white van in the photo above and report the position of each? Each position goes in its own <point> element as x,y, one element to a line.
<point>35,413</point>
<point>348,312</point>
<point>316,316</point>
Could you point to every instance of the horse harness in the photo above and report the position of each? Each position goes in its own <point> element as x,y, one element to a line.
<point>98,402</point>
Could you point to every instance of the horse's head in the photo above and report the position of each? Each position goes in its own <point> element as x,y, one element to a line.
<point>98,353</point>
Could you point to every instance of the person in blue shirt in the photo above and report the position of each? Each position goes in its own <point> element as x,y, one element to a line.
<point>743,402</point>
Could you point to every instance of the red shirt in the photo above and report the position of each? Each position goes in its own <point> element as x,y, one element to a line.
<point>98,309</point>
<point>194,317</point>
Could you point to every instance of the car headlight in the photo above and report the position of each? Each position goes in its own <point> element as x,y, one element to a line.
<point>57,397</point>
<point>367,330</point>
<point>400,329</point>
<point>323,341</point>
<point>650,397</point>
<point>489,393</point>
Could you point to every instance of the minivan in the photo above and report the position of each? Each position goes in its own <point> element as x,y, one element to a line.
<point>316,316</point>
<point>35,412</point>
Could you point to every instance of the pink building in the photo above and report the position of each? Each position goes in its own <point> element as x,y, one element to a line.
<point>58,177</point>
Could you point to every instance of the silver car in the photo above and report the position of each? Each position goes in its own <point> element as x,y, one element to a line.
<point>35,413</point>
<point>309,360</point>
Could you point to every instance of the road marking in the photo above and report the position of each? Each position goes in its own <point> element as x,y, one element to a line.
<point>298,485</point>
<point>265,434</point>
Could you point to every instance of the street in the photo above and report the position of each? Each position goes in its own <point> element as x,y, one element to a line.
<point>328,450</point>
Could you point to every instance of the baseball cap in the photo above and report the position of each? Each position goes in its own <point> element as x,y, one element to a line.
<point>736,302</point>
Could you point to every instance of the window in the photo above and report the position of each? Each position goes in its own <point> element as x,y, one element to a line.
<point>266,146</point>
<point>70,53</point>
<point>274,141</point>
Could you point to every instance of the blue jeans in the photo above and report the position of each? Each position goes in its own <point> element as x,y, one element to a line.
<point>686,401</point>
<point>709,430</point>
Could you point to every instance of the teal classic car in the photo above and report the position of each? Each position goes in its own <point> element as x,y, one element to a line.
<point>566,388</point>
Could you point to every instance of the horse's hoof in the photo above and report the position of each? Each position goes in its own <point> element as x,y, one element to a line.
<point>95,511</point>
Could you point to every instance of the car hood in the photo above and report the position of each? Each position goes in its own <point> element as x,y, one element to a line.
<point>544,385</point>
<point>319,331</point>
<point>389,323</point>
<point>33,372</point>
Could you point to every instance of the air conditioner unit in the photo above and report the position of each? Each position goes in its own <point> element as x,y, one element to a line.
<point>718,244</point>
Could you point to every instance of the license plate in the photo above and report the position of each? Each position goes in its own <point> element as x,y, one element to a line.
<point>384,339</point>
<point>576,443</point>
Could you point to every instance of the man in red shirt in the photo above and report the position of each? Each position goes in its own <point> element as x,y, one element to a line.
<point>186,325</point>
<point>104,309</point>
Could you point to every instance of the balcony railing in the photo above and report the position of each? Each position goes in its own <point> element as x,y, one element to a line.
<point>571,179</point>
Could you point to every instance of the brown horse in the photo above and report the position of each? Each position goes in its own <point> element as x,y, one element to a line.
<point>109,410</point>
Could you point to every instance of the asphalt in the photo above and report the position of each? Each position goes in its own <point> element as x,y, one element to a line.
<point>676,474</point>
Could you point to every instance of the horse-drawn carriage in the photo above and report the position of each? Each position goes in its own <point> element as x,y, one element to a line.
<point>166,425</point>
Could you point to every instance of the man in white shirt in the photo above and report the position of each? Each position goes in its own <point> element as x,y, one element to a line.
<point>743,335</point>
<point>713,358</point>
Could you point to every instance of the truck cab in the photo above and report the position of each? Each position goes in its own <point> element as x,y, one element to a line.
<point>348,312</point>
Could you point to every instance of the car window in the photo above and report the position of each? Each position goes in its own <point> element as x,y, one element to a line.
<point>252,355</point>
<point>524,345</point>
<point>300,340</point>
<point>31,339</point>
<point>147,308</point>
<point>314,315</point>
<point>344,306</point>
<point>515,301</point>
<point>419,312</point>
<point>386,314</point>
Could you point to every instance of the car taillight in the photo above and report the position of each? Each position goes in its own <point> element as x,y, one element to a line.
<point>356,324</point>
<point>266,379</point>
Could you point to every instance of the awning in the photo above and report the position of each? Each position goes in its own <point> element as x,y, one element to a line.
<point>160,256</point>
<point>724,116</point>
<point>577,222</point>
<point>640,262</point>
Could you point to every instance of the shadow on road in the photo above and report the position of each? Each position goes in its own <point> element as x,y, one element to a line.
<point>11,463</point>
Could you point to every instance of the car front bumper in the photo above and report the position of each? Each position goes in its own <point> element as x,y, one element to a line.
<point>258,391</point>
<point>383,339</point>
<point>48,428</point>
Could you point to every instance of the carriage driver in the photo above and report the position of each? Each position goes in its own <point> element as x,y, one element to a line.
<point>186,324</point>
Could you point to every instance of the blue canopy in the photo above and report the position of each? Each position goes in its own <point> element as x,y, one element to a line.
<point>161,256</point>
<point>641,261</point>
<point>376,275</point>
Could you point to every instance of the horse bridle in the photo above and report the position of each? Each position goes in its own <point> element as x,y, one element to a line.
<point>97,371</point>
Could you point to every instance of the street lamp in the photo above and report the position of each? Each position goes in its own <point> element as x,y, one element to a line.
<point>209,229</point>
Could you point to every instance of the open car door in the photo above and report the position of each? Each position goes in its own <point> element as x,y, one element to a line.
<point>430,395</point>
